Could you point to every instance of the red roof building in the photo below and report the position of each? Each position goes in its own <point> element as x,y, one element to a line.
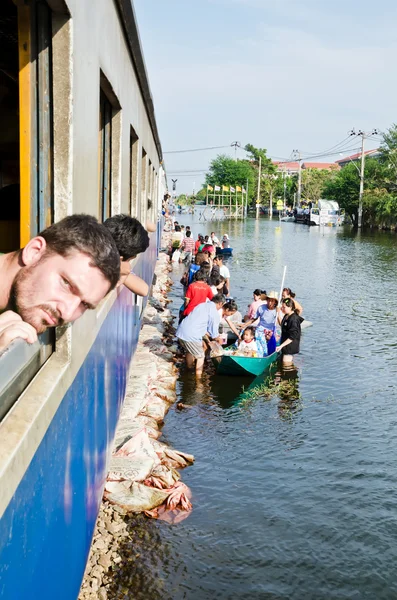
<point>321,166</point>
<point>354,157</point>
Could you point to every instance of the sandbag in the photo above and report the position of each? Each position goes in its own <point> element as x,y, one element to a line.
<point>176,256</point>
<point>137,498</point>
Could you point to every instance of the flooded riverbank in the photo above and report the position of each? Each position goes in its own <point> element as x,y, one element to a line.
<point>294,494</point>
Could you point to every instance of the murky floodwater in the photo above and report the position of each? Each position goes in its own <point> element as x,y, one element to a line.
<point>295,496</point>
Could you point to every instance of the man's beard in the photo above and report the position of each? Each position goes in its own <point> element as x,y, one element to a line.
<point>19,303</point>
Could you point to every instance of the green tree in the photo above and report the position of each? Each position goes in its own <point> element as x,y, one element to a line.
<point>269,173</point>
<point>313,183</point>
<point>224,170</point>
<point>344,187</point>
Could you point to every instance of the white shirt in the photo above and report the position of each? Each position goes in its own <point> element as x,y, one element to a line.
<point>244,346</point>
<point>224,271</point>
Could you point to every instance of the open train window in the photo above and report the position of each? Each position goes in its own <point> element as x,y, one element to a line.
<point>9,128</point>
<point>133,173</point>
<point>144,184</point>
<point>105,141</point>
<point>26,160</point>
<point>109,112</point>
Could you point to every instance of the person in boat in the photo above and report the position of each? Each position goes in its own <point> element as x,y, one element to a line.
<point>225,241</point>
<point>247,345</point>
<point>288,293</point>
<point>199,291</point>
<point>230,318</point>
<point>259,300</point>
<point>265,331</point>
<point>224,271</point>
<point>214,240</point>
<point>204,319</point>
<point>290,331</point>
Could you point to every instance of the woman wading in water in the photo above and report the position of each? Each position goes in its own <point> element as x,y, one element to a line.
<point>290,331</point>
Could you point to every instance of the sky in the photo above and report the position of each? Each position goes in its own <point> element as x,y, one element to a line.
<point>279,74</point>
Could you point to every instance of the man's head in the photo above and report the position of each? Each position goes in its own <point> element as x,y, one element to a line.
<point>65,270</point>
<point>130,236</point>
<point>188,233</point>
<point>219,300</point>
<point>218,260</point>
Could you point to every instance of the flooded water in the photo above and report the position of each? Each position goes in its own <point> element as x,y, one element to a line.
<point>294,492</point>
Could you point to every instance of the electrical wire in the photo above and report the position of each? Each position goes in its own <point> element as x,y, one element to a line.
<point>196,149</point>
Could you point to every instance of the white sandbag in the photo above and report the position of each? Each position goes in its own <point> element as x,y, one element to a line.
<point>176,256</point>
<point>138,497</point>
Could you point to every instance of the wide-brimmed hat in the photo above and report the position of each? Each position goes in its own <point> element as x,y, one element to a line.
<point>225,237</point>
<point>272,296</point>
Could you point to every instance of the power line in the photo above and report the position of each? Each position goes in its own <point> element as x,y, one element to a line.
<point>197,149</point>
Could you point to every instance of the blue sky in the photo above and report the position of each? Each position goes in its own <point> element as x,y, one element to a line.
<point>280,74</point>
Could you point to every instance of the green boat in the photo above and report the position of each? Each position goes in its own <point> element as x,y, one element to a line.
<point>243,365</point>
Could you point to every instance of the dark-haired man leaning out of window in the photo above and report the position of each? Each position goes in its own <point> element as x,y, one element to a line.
<point>62,272</point>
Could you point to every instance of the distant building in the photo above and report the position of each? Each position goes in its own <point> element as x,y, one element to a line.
<point>321,166</point>
<point>292,168</point>
<point>356,157</point>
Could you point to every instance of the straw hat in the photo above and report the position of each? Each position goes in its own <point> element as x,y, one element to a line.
<point>272,296</point>
<point>225,237</point>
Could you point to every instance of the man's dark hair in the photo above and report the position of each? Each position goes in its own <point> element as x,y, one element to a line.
<point>129,234</point>
<point>187,227</point>
<point>188,233</point>
<point>219,258</point>
<point>219,298</point>
<point>84,234</point>
<point>200,275</point>
<point>177,228</point>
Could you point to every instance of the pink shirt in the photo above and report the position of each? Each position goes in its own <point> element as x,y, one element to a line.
<point>253,307</point>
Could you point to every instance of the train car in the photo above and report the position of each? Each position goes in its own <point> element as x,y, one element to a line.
<point>78,134</point>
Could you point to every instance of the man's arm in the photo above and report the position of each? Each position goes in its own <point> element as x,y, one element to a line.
<point>12,327</point>
<point>136,284</point>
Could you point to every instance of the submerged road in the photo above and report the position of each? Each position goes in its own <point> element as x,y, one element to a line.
<point>295,497</point>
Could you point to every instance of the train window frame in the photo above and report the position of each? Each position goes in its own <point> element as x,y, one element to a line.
<point>144,179</point>
<point>133,174</point>
<point>20,362</point>
<point>109,147</point>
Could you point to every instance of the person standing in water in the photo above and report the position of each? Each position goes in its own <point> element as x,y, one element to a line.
<point>290,331</point>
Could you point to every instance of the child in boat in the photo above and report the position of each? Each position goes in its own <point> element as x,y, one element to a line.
<point>247,346</point>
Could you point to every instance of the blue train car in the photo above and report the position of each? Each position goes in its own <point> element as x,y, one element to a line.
<point>78,135</point>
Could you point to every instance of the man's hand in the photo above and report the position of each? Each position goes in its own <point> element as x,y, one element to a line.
<point>12,327</point>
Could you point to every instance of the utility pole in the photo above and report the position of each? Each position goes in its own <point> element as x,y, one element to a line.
<point>236,145</point>
<point>363,135</point>
<point>299,192</point>
<point>258,194</point>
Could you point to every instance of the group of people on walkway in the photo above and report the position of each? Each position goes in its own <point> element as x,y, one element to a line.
<point>209,317</point>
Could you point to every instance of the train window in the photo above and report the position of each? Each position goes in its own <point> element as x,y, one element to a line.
<point>26,193</point>
<point>109,146</point>
<point>144,178</point>
<point>26,160</point>
<point>133,191</point>
<point>105,147</point>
